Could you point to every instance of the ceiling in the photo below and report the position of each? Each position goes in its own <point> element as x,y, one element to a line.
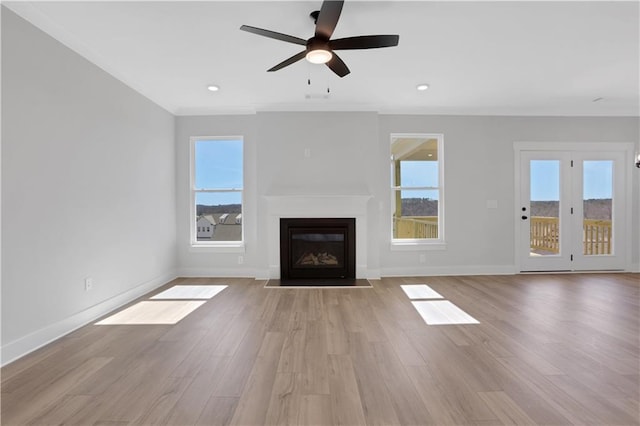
<point>479,58</point>
<point>414,149</point>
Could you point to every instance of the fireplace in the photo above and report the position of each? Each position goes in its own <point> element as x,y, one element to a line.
<point>317,248</point>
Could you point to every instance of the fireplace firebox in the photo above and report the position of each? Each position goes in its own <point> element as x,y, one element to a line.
<point>317,248</point>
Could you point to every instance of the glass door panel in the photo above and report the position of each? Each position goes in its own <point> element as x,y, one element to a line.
<point>600,211</point>
<point>544,220</point>
<point>597,207</point>
<point>544,211</point>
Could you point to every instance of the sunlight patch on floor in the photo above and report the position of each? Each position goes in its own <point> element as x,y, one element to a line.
<point>153,312</point>
<point>420,291</point>
<point>442,312</point>
<point>190,292</point>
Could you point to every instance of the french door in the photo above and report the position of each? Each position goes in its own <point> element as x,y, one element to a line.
<point>572,211</point>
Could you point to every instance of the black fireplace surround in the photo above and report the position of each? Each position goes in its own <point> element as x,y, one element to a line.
<point>313,248</point>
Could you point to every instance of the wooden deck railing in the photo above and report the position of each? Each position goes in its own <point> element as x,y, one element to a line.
<point>415,227</point>
<point>596,235</point>
<point>545,232</point>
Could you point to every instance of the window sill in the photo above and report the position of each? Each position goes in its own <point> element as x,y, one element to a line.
<point>416,245</point>
<point>217,248</point>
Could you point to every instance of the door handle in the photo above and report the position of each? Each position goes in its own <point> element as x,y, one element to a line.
<point>524,218</point>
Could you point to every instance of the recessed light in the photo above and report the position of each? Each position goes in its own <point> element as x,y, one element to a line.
<point>422,87</point>
<point>213,88</point>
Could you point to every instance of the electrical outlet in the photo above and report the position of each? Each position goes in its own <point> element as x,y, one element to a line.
<point>240,260</point>
<point>423,258</point>
<point>88,284</point>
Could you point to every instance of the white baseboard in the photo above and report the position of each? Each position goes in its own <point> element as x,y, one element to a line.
<point>373,274</point>
<point>33,341</point>
<point>448,270</point>
<point>363,272</point>
<point>262,274</point>
<point>217,272</point>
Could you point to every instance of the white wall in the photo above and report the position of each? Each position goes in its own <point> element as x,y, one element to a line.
<point>88,189</point>
<point>479,166</point>
<point>205,262</point>
<point>342,148</point>
<point>350,155</point>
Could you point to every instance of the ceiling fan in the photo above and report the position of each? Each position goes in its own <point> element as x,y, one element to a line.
<point>319,49</point>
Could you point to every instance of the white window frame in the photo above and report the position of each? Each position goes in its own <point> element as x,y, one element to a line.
<point>419,243</point>
<point>216,246</point>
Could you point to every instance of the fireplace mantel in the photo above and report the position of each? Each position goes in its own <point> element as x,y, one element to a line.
<point>321,206</point>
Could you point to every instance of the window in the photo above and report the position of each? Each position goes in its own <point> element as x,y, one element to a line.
<point>216,191</point>
<point>417,189</point>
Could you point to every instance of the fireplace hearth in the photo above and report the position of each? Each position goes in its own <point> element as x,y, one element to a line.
<point>319,248</point>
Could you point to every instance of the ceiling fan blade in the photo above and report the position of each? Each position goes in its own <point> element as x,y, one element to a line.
<point>328,18</point>
<point>273,34</point>
<point>287,62</point>
<point>364,42</point>
<point>338,66</point>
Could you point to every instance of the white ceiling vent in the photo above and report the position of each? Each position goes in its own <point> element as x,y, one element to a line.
<point>317,96</point>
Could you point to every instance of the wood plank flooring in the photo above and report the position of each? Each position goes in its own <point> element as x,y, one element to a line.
<point>549,350</point>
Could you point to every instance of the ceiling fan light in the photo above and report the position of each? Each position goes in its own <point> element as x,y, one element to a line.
<point>319,56</point>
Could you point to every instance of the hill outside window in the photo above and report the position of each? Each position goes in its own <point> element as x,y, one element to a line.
<point>216,191</point>
<point>417,189</point>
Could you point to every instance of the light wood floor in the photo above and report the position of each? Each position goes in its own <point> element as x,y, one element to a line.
<point>549,349</point>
